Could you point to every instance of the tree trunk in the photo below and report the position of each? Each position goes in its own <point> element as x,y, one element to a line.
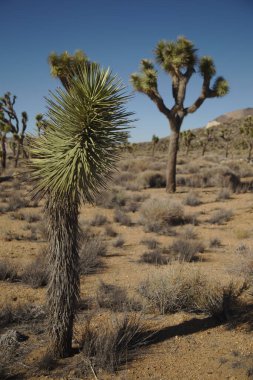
<point>64,281</point>
<point>172,160</point>
<point>3,145</point>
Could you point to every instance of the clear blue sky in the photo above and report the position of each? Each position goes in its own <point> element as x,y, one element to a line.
<point>119,33</point>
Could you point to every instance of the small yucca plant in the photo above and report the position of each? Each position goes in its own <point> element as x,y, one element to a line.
<point>71,161</point>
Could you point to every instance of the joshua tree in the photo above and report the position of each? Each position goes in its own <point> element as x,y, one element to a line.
<point>206,139</point>
<point>188,137</point>
<point>71,162</point>
<point>41,123</point>
<point>179,60</point>
<point>64,66</point>
<point>9,122</point>
<point>155,141</point>
<point>246,130</point>
<point>226,137</point>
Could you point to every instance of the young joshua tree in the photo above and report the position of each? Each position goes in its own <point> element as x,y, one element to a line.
<point>188,137</point>
<point>71,162</point>
<point>180,61</point>
<point>155,141</point>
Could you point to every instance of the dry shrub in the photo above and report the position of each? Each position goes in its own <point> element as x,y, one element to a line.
<point>221,216</point>
<point>192,199</point>
<point>91,251</point>
<point>188,233</point>
<point>223,195</point>
<point>119,242</point>
<point>111,199</point>
<point>154,257</point>
<point>21,313</point>
<point>115,298</point>
<point>36,274</point>
<point>150,243</point>
<point>159,215</point>
<point>186,249</point>
<point>15,203</point>
<point>99,220</point>
<point>45,364</point>
<point>215,243</point>
<point>109,231</point>
<point>182,287</point>
<point>122,218</point>
<point>243,264</point>
<point>7,271</point>
<point>152,179</point>
<point>108,345</point>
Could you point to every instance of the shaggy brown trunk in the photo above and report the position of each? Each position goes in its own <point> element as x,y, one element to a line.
<point>64,282</point>
<point>172,161</point>
<point>3,146</point>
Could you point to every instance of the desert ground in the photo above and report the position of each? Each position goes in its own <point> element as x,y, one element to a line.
<point>176,269</point>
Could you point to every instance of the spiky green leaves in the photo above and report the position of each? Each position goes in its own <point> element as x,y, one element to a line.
<point>146,81</point>
<point>176,56</point>
<point>75,156</point>
<point>64,66</point>
<point>207,67</point>
<point>220,87</point>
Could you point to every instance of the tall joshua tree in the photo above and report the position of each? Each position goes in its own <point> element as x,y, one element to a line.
<point>71,161</point>
<point>179,60</point>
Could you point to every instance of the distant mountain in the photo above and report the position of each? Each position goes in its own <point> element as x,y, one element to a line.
<point>234,115</point>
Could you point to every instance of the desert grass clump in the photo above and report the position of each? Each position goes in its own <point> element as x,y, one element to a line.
<point>189,289</point>
<point>122,218</point>
<point>221,216</point>
<point>111,199</point>
<point>188,233</point>
<point>215,243</point>
<point>111,297</point>
<point>15,203</point>
<point>186,250</point>
<point>155,257</point>
<point>21,313</point>
<point>99,220</point>
<point>223,195</point>
<point>150,243</point>
<point>160,215</point>
<point>152,179</point>
<point>109,231</point>
<point>7,271</point>
<point>119,242</point>
<point>111,344</point>
<point>91,252</point>
<point>192,199</point>
<point>45,364</point>
<point>36,274</point>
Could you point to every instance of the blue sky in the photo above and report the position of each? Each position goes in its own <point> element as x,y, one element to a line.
<point>119,33</point>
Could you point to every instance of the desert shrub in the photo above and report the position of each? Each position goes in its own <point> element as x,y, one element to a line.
<point>110,231</point>
<point>184,288</point>
<point>221,216</point>
<point>112,344</point>
<point>16,215</point>
<point>131,206</point>
<point>36,274</point>
<point>223,195</point>
<point>91,251</point>
<point>150,243</point>
<point>186,250</point>
<point>111,199</point>
<point>188,233</point>
<point>45,364</point>
<point>119,242</point>
<point>152,179</point>
<point>123,178</point>
<point>230,181</point>
<point>243,266</point>
<point>191,168</point>
<point>154,257</point>
<point>32,218</point>
<point>192,199</point>
<point>9,236</point>
<point>215,243</point>
<point>7,271</point>
<point>21,313</point>
<point>122,218</point>
<point>15,203</point>
<point>99,220</point>
<point>114,297</point>
<point>159,215</point>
